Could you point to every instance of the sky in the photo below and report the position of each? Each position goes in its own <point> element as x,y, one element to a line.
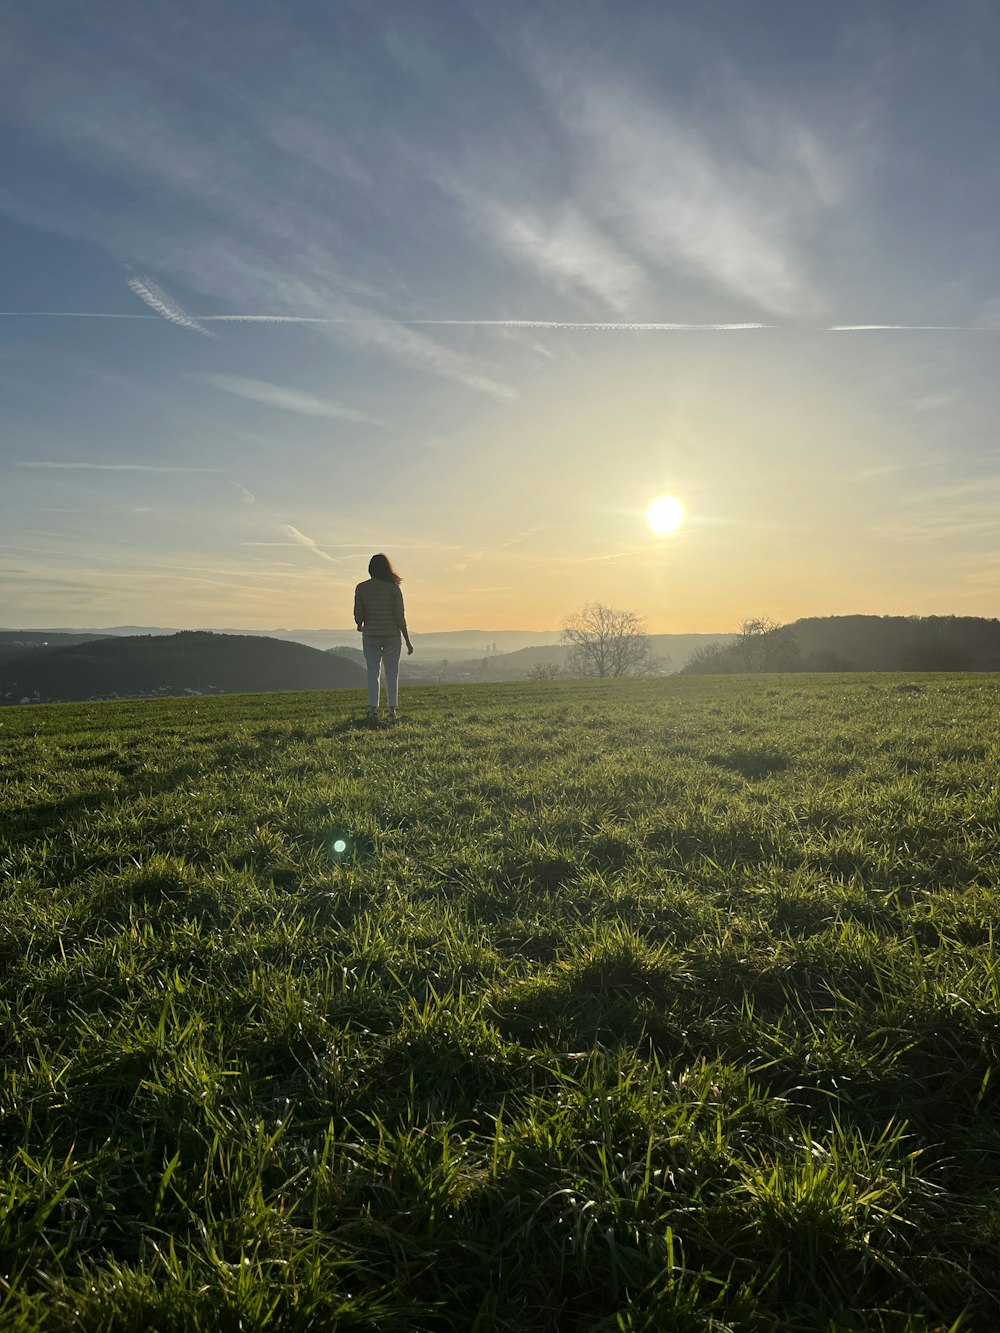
<point>472,283</point>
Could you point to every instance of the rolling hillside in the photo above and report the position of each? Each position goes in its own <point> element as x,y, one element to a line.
<point>17,642</point>
<point>862,643</point>
<point>193,662</point>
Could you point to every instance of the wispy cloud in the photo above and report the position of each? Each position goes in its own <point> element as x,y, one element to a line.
<point>569,253</point>
<point>560,244</point>
<point>114,467</point>
<point>894,467</point>
<point>599,559</point>
<point>520,537</point>
<point>329,546</point>
<point>325,152</point>
<point>232,216</point>
<point>164,306</point>
<point>43,583</point>
<point>939,497</point>
<point>308,543</point>
<point>411,348</point>
<point>732,196</point>
<point>952,511</point>
<point>965,524</point>
<point>525,339</point>
<point>248,497</point>
<point>311,296</point>
<point>288,400</point>
<point>932,402</point>
<point>62,555</point>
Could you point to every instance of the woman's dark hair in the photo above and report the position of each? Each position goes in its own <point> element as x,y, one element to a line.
<point>380,568</point>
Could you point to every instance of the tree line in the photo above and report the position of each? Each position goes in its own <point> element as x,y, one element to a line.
<point>605,641</point>
<point>855,643</point>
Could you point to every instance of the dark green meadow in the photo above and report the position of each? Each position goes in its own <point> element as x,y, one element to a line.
<point>627,1005</point>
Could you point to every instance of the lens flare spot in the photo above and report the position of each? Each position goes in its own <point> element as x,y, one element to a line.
<point>665,515</point>
<point>340,846</point>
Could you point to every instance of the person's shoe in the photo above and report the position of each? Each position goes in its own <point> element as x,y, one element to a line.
<point>373,717</point>
<point>392,714</point>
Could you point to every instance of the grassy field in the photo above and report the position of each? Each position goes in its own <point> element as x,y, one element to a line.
<point>615,1006</point>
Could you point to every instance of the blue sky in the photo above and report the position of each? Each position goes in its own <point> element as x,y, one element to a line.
<point>456,227</point>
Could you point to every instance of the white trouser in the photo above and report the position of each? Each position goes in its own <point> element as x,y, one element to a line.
<point>382,652</point>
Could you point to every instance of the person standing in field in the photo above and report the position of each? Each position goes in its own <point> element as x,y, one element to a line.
<point>381,622</point>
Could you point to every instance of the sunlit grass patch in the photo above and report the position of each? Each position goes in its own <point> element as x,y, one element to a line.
<point>664,1004</point>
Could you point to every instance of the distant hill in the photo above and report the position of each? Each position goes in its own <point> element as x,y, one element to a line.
<point>351,654</point>
<point>191,662</point>
<point>435,644</point>
<point>16,642</point>
<point>516,665</point>
<point>864,643</point>
<point>672,650</point>
<point>902,643</point>
<point>21,639</point>
<point>675,649</point>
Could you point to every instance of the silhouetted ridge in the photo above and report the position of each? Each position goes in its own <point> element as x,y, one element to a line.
<point>190,662</point>
<point>17,642</point>
<point>862,643</point>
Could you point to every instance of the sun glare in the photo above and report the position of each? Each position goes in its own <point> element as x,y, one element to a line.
<point>665,515</point>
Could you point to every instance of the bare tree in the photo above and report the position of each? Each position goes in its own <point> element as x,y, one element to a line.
<point>604,641</point>
<point>763,644</point>
<point>545,671</point>
<point>709,660</point>
<point>750,641</point>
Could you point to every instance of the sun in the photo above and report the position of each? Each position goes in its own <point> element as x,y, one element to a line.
<point>665,515</point>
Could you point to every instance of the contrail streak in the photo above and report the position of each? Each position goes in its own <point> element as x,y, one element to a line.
<point>115,467</point>
<point>178,316</point>
<point>67,314</point>
<point>161,304</point>
<point>601,325</point>
<point>911,328</point>
<point>612,326</point>
<point>310,544</point>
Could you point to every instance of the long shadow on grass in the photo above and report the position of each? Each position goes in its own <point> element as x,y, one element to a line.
<point>47,813</point>
<point>750,764</point>
<point>50,816</point>
<point>355,724</point>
